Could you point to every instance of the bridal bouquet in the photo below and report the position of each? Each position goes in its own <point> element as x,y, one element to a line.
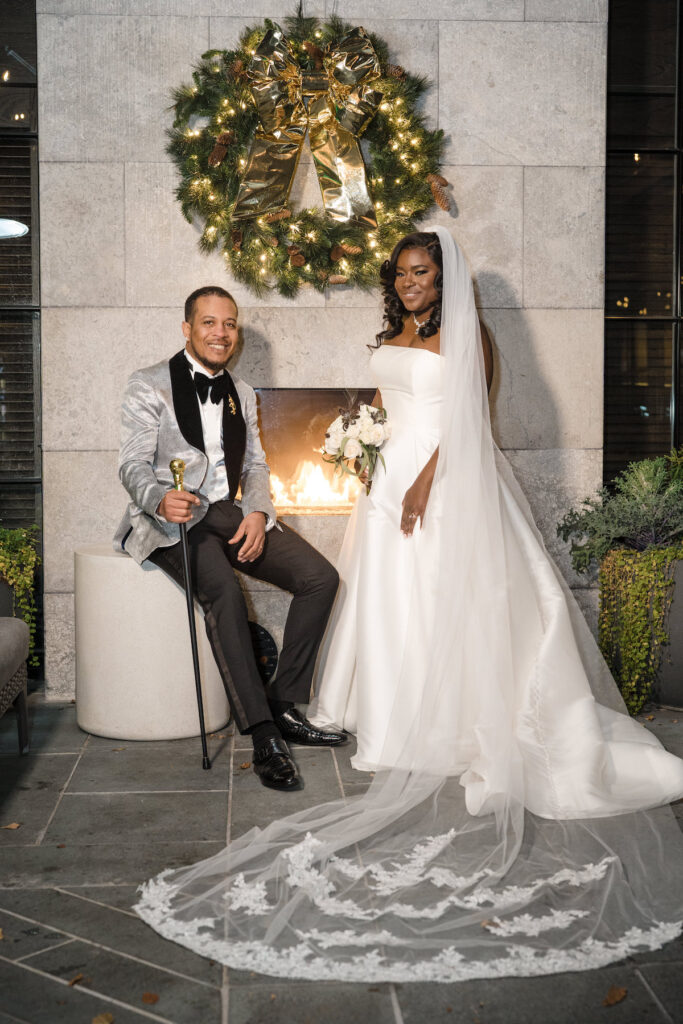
<point>354,439</point>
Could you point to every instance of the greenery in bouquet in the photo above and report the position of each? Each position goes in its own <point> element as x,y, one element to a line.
<point>353,440</point>
<point>634,532</point>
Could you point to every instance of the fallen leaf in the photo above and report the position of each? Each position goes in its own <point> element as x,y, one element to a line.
<point>150,998</point>
<point>272,996</point>
<point>245,764</point>
<point>650,718</point>
<point>614,995</point>
<point>61,846</point>
<point>674,721</point>
<point>76,978</point>
<point>103,1018</point>
<point>118,748</point>
<point>1,935</point>
<point>15,824</point>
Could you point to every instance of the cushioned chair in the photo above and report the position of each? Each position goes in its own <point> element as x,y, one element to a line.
<point>14,637</point>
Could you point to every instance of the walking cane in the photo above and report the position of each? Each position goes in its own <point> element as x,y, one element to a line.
<point>177,467</point>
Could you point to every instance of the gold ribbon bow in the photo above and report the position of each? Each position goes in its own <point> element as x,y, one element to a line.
<point>335,104</point>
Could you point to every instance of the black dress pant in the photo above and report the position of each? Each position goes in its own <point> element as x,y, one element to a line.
<point>290,563</point>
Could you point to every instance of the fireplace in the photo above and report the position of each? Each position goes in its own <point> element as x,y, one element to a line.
<point>293,422</point>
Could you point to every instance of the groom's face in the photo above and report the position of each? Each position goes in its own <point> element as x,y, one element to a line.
<point>212,333</point>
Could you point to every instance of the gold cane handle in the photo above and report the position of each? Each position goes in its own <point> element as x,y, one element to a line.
<point>177,467</point>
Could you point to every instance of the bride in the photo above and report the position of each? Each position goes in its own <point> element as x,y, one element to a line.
<point>514,825</point>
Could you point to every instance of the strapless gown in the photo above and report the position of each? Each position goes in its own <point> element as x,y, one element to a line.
<point>582,757</point>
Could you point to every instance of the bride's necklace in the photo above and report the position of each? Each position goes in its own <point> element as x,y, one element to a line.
<point>419,324</point>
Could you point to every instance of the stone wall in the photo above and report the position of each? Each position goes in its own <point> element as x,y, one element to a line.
<point>519,91</point>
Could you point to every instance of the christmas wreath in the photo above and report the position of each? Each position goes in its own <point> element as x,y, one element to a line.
<point>238,133</point>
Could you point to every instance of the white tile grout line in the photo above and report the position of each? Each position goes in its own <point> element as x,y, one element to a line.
<point>338,773</point>
<point>37,952</point>
<point>139,792</point>
<point>653,995</point>
<point>90,991</point>
<point>398,1016</point>
<point>109,949</point>
<point>41,835</point>
<point>89,899</point>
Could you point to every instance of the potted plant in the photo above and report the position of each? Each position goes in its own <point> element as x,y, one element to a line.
<point>18,561</point>
<point>633,531</point>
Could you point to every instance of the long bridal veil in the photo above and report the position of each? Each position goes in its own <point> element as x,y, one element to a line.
<point>511,834</point>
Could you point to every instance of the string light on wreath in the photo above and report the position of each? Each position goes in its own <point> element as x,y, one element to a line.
<point>211,142</point>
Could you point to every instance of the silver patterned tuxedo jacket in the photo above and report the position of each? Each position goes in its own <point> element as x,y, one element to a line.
<point>161,421</point>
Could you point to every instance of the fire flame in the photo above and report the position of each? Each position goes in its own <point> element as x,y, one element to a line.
<point>312,491</point>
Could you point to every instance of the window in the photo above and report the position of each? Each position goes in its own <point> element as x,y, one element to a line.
<point>20,460</point>
<point>643,232</point>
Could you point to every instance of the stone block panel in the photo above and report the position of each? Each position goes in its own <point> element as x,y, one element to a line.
<point>547,385</point>
<point>554,481</point>
<point>81,234</point>
<point>525,93</point>
<point>76,415</point>
<point>307,347</point>
<point>565,10</point>
<point>444,10</point>
<point>106,82</point>
<point>163,261</point>
<point>564,236</point>
<point>84,502</point>
<point>60,651</point>
<point>486,221</point>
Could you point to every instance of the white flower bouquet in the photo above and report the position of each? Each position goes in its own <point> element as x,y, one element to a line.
<point>354,439</point>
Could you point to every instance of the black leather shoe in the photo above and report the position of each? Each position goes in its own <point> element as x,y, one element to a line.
<point>274,765</point>
<point>295,727</point>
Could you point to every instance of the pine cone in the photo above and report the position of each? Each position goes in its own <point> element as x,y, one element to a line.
<point>395,71</point>
<point>293,250</point>
<point>236,239</point>
<point>238,70</point>
<point>441,197</point>
<point>352,250</point>
<point>314,52</point>
<point>220,148</point>
<point>297,259</point>
<point>272,240</point>
<point>270,218</point>
<point>337,252</point>
<point>337,279</point>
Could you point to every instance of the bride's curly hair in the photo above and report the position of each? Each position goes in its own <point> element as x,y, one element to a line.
<point>394,310</point>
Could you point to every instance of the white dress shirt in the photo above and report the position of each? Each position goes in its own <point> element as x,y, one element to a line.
<point>215,485</point>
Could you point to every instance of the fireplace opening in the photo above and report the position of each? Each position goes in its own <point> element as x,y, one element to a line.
<point>293,422</point>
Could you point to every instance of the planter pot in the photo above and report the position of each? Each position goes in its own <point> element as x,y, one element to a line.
<point>669,684</point>
<point>6,600</point>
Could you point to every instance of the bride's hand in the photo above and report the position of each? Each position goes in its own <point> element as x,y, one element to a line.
<point>415,503</point>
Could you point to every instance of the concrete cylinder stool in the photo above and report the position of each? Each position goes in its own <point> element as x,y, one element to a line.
<point>134,676</point>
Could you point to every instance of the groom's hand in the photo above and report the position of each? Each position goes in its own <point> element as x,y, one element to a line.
<point>253,530</point>
<point>176,506</point>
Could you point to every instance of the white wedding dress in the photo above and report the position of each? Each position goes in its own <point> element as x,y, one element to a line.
<point>580,759</point>
<point>514,825</point>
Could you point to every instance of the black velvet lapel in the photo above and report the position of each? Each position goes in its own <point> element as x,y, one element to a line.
<point>234,436</point>
<point>185,401</point>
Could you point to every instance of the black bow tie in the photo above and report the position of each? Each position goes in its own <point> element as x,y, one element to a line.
<point>218,386</point>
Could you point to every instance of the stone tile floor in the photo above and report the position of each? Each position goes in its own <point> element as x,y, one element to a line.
<point>99,816</point>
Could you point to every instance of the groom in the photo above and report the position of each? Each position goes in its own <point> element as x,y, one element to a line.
<point>192,408</point>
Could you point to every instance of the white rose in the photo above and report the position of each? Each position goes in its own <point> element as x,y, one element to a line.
<point>387,430</point>
<point>352,449</point>
<point>353,429</point>
<point>335,426</point>
<point>367,433</point>
<point>331,446</point>
<point>377,434</point>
